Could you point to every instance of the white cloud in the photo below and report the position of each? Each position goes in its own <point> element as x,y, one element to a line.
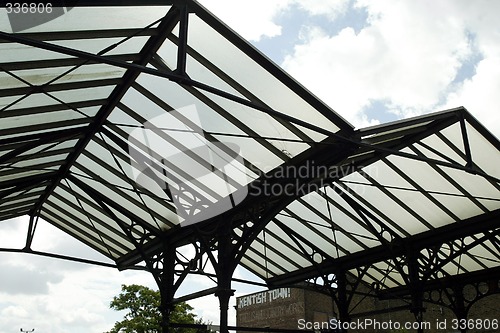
<point>408,55</point>
<point>18,279</point>
<point>10,237</point>
<point>15,311</point>
<point>332,8</point>
<point>79,302</point>
<point>54,295</point>
<point>251,19</point>
<point>480,94</point>
<point>255,20</point>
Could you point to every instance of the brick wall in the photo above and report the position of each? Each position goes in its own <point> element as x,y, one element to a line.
<point>282,308</point>
<point>277,308</point>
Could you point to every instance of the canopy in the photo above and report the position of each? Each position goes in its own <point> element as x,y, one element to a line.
<point>134,126</point>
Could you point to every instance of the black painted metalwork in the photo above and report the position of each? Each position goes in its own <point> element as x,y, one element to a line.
<point>413,266</point>
<point>146,53</point>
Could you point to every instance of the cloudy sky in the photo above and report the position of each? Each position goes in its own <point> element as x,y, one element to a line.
<point>371,61</point>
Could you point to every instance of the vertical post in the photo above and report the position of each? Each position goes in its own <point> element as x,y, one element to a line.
<point>182,43</point>
<point>459,304</point>
<point>224,274</point>
<point>342,302</point>
<point>224,295</point>
<point>416,287</point>
<point>31,231</point>
<point>166,284</point>
<point>468,154</point>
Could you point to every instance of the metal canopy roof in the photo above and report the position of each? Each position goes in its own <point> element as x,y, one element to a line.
<point>68,119</point>
<point>443,173</point>
<point>89,104</point>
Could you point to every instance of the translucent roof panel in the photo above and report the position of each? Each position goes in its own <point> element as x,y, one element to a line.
<point>125,126</point>
<point>411,178</point>
<point>253,81</point>
<point>106,19</point>
<point>97,129</point>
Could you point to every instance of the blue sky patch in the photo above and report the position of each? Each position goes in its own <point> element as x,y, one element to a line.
<point>379,110</point>
<point>295,19</point>
<point>469,65</point>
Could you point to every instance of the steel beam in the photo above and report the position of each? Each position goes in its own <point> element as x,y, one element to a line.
<point>268,65</point>
<point>129,78</point>
<point>470,226</point>
<point>102,3</point>
<point>137,68</point>
<point>59,256</point>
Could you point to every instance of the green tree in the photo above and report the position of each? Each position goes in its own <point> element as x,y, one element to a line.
<point>143,316</point>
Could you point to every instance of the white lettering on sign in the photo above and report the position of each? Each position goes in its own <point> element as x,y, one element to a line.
<point>263,297</point>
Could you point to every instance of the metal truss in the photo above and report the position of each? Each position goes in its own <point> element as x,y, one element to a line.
<point>222,242</point>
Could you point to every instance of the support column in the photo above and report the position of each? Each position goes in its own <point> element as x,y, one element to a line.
<point>224,296</point>
<point>224,273</point>
<point>342,300</point>
<point>459,304</point>
<point>182,43</point>
<point>165,280</point>
<point>416,287</point>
